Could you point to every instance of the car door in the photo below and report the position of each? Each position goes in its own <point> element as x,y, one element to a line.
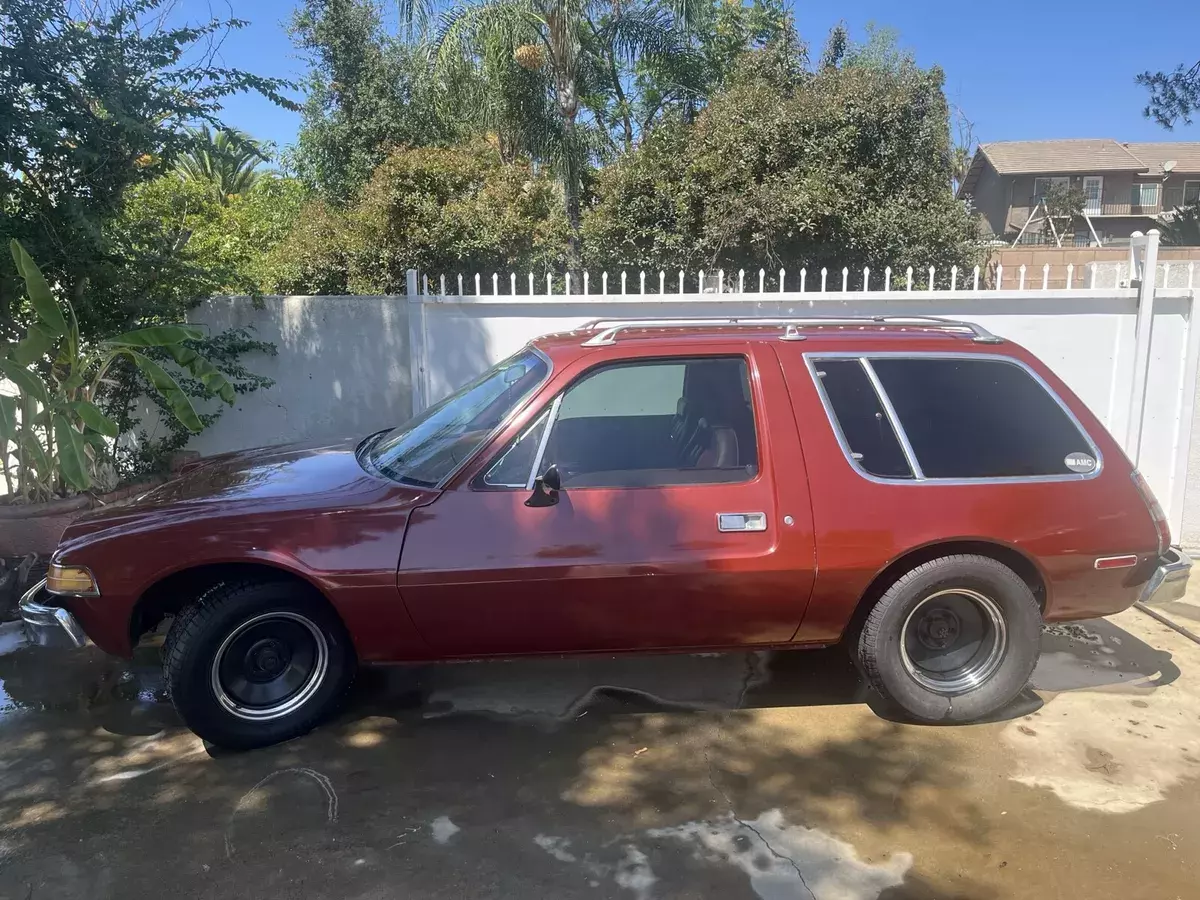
<point>669,530</point>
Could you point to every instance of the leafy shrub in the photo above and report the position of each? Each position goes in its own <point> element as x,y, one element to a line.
<point>438,210</point>
<point>847,166</point>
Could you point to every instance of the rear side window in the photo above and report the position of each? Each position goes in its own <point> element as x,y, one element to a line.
<point>861,418</point>
<point>980,418</point>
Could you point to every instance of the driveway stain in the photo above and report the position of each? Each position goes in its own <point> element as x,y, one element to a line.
<point>1086,749</point>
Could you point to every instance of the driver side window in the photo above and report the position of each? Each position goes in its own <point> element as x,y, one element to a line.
<point>641,424</point>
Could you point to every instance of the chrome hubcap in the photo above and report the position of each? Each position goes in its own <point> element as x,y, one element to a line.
<point>270,666</point>
<point>953,641</point>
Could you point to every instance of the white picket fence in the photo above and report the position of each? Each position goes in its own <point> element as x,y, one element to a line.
<point>1093,276</point>
<point>1129,350</point>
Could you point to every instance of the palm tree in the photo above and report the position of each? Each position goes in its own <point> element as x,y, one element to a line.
<point>562,40</point>
<point>228,160</point>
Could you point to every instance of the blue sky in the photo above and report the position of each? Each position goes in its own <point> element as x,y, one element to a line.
<point>1020,71</point>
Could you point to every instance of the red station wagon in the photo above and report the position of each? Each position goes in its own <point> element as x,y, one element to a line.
<point>918,488</point>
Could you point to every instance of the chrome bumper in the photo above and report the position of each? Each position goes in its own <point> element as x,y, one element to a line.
<point>49,626</point>
<point>1169,581</point>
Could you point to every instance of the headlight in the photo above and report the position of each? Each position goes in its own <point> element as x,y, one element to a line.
<point>73,581</point>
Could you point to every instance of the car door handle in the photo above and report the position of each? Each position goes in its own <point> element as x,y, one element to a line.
<point>744,521</point>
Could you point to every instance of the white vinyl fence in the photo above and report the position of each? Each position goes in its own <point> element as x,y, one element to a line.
<point>1127,347</point>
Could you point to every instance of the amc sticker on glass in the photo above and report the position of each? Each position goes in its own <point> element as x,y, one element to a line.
<point>1080,462</point>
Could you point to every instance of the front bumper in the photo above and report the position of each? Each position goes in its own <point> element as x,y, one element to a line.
<point>49,626</point>
<point>1169,581</point>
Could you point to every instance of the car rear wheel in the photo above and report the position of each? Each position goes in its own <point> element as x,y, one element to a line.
<point>953,640</point>
<point>253,662</point>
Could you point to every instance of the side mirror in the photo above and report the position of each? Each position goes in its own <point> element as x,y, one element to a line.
<point>546,488</point>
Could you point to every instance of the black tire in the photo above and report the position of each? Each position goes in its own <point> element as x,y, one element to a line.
<point>890,656</point>
<point>285,621</point>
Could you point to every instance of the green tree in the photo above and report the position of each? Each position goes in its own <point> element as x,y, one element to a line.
<point>1063,212</point>
<point>427,208</point>
<point>1173,95</point>
<point>227,161</point>
<point>202,247</point>
<point>366,93</point>
<point>210,243</point>
<point>844,166</point>
<point>94,99</point>
<point>584,48</point>
<point>1181,228</point>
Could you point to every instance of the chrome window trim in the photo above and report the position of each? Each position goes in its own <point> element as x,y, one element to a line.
<point>890,411</point>
<point>811,358</point>
<point>483,476</point>
<point>541,450</point>
<point>495,432</point>
<point>751,375</point>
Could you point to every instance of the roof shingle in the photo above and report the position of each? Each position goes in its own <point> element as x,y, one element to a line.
<point>1185,153</point>
<point>1088,155</point>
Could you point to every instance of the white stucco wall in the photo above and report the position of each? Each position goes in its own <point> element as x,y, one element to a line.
<point>1190,538</point>
<point>342,369</point>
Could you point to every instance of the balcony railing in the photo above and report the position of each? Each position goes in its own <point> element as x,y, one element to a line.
<point>1116,204</point>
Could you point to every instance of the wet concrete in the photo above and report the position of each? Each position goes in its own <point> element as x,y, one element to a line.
<point>735,776</point>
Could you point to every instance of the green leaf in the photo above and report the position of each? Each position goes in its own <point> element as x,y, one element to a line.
<point>72,457</point>
<point>94,419</point>
<point>38,341</point>
<point>27,382</point>
<point>201,368</point>
<point>96,440</point>
<point>180,405</point>
<point>35,453</point>
<point>8,421</point>
<point>40,297</point>
<point>157,336</point>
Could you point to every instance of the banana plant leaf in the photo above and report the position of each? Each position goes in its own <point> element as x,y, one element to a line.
<point>27,383</point>
<point>94,419</point>
<point>72,457</point>
<point>156,336</point>
<point>180,405</point>
<point>38,341</point>
<point>206,372</point>
<point>40,297</point>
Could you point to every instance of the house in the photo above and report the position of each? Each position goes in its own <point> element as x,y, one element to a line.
<point>1127,187</point>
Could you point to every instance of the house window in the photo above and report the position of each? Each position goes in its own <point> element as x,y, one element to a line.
<point>1042,185</point>
<point>1144,195</point>
<point>1191,193</point>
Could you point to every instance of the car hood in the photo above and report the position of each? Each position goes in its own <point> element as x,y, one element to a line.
<point>321,477</point>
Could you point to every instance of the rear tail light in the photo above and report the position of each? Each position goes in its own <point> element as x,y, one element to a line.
<point>1161,526</point>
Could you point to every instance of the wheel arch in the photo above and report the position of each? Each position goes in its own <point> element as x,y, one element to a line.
<point>171,592</point>
<point>1017,560</point>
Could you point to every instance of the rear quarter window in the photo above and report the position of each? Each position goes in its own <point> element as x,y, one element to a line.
<point>981,418</point>
<point>866,431</point>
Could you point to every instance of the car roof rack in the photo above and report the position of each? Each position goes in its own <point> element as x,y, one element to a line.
<point>608,329</point>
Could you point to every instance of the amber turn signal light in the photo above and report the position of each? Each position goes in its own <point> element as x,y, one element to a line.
<point>75,581</point>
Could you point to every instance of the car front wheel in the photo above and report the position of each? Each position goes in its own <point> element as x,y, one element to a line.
<point>953,640</point>
<point>254,662</point>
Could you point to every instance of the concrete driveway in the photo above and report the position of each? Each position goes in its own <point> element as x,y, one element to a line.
<point>731,776</point>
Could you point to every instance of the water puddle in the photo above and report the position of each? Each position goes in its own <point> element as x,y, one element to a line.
<point>781,861</point>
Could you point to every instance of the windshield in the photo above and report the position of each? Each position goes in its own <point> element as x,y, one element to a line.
<point>428,447</point>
